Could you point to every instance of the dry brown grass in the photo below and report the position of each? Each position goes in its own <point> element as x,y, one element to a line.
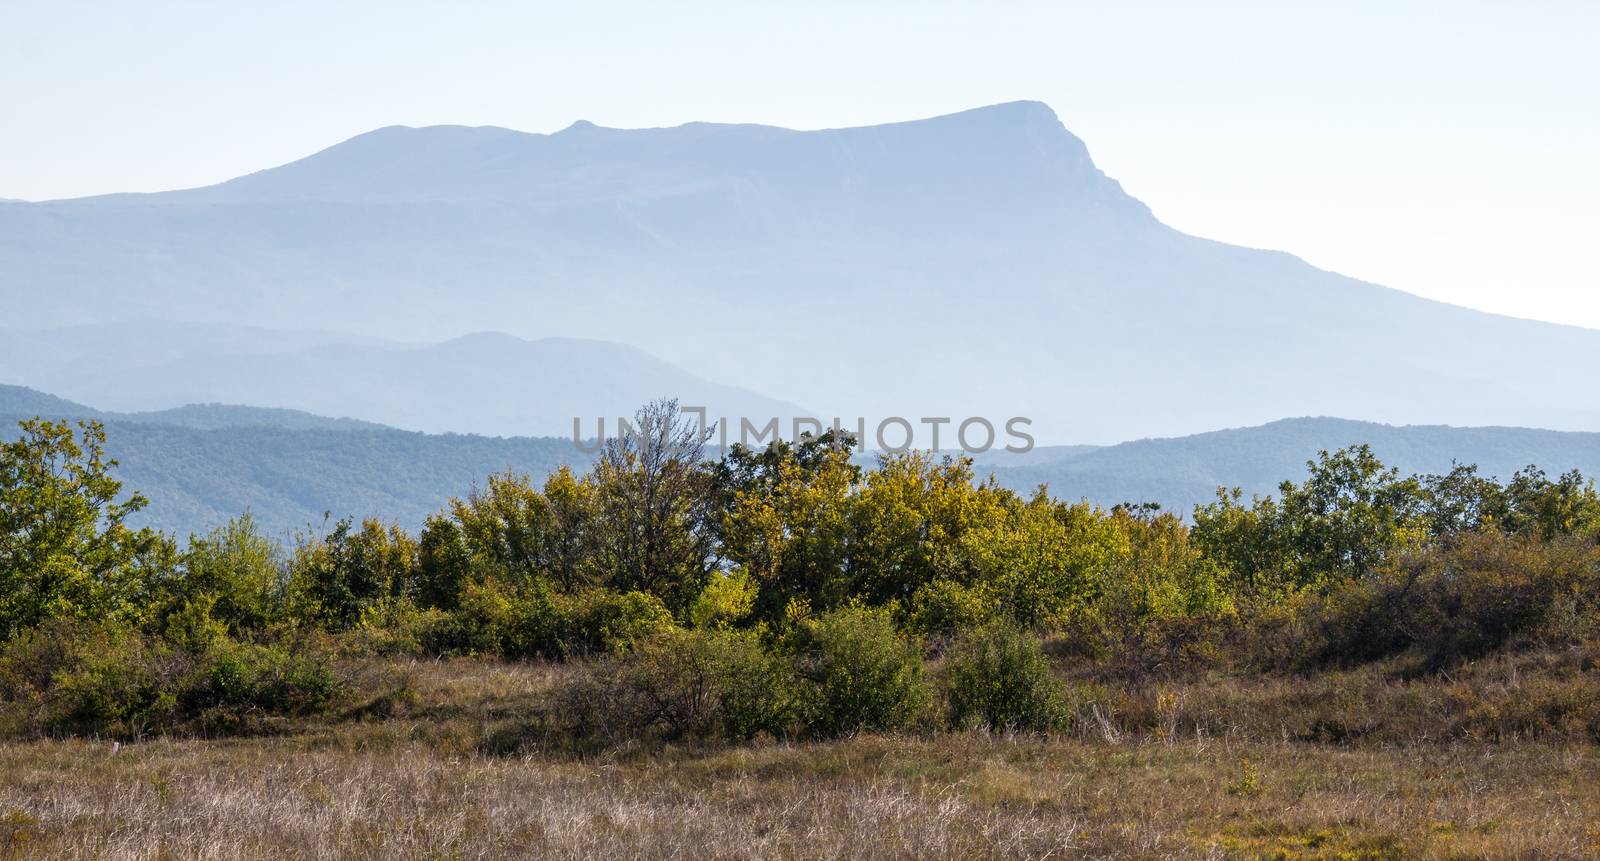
<point>419,780</point>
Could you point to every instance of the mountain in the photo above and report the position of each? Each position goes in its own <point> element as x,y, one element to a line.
<point>1182,472</point>
<point>976,264</point>
<point>486,383</point>
<point>22,402</point>
<point>203,464</point>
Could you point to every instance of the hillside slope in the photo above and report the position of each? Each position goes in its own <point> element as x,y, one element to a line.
<point>1181,472</point>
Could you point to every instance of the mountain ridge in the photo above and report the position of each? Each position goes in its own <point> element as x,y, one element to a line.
<point>977,263</point>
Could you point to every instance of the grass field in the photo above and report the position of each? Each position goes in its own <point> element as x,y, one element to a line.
<point>443,775</point>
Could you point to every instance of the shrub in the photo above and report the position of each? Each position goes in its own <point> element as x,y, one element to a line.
<point>480,624</point>
<point>120,686</point>
<point>83,678</point>
<point>1484,593</point>
<point>946,607</point>
<point>397,627</point>
<point>271,679</point>
<point>759,690</point>
<point>603,621</point>
<point>998,677</point>
<point>492,618</point>
<point>681,684</point>
<point>74,678</point>
<point>860,674</point>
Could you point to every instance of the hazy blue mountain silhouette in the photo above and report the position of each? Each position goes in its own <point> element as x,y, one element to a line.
<point>486,383</point>
<point>976,263</point>
<point>23,402</point>
<point>1180,472</point>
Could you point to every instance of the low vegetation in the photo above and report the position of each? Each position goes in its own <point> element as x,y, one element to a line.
<point>897,662</point>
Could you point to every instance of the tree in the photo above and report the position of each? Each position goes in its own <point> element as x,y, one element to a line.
<point>910,520</point>
<point>332,579</point>
<point>1351,514</point>
<point>1349,517</point>
<point>787,520</point>
<point>1569,505</point>
<point>238,571</point>
<point>653,507</point>
<point>65,548</point>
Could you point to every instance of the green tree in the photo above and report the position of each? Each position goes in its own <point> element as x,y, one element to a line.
<point>65,548</point>
<point>1345,521</point>
<point>334,578</point>
<point>788,520</point>
<point>239,571</point>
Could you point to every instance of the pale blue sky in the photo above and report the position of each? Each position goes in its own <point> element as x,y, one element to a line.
<point>1448,149</point>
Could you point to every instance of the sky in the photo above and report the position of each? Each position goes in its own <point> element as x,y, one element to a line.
<point>1447,149</point>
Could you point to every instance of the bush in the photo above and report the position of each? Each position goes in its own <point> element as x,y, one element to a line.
<point>270,679</point>
<point>118,684</point>
<point>395,627</point>
<point>85,678</point>
<point>945,607</point>
<point>998,677</point>
<point>759,690</point>
<point>75,678</point>
<point>493,619</point>
<point>680,684</point>
<point>603,621</point>
<point>1487,592</point>
<point>861,674</point>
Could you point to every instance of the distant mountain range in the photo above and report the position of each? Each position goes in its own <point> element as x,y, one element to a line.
<point>1182,472</point>
<point>201,465</point>
<point>485,383</point>
<point>976,264</point>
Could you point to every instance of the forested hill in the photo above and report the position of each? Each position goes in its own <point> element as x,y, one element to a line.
<point>202,465</point>
<point>196,479</point>
<point>23,401</point>
<point>1180,472</point>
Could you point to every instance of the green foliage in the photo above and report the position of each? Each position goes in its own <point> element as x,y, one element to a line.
<point>759,691</point>
<point>89,679</point>
<point>1345,521</point>
<point>1486,592</point>
<point>773,592</point>
<point>788,520</point>
<point>910,521</point>
<point>1044,561</point>
<point>652,508</point>
<point>682,684</point>
<point>65,551</point>
<point>727,600</point>
<point>602,621</point>
<point>861,675</point>
<point>333,578</point>
<point>945,607</point>
<point>397,626</point>
<point>269,678</point>
<point>239,571</point>
<point>107,679</point>
<point>998,677</point>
